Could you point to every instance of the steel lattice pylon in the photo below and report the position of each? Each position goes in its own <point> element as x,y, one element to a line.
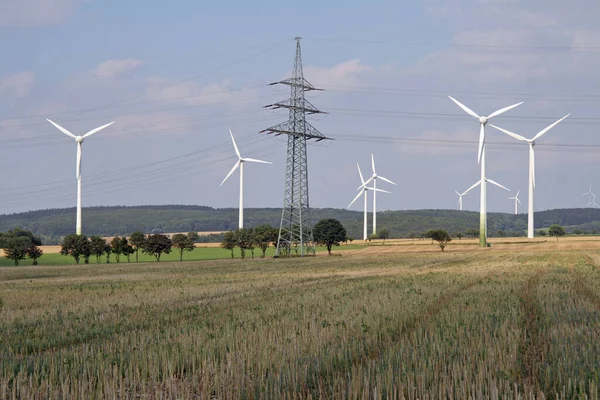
<point>295,232</point>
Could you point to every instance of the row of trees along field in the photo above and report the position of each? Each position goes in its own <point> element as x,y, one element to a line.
<point>19,244</point>
<point>327,232</point>
<point>81,247</point>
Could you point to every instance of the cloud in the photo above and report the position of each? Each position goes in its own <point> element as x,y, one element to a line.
<point>19,84</point>
<point>343,74</point>
<point>111,69</point>
<point>27,13</point>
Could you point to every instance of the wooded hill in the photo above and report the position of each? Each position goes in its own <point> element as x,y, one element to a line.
<point>52,224</point>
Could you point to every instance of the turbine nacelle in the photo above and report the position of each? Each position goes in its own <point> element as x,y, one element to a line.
<point>79,139</point>
<point>483,120</point>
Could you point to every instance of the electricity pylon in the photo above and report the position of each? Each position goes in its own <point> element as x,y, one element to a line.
<point>295,231</point>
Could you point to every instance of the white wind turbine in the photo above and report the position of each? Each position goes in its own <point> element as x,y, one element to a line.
<point>517,202</point>
<point>460,204</point>
<point>364,189</point>
<point>79,141</point>
<point>374,178</point>
<point>591,198</point>
<point>531,142</point>
<point>240,163</point>
<point>483,120</point>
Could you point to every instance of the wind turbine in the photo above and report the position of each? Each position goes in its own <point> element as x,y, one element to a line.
<point>517,202</point>
<point>591,198</point>
<point>465,192</point>
<point>530,229</point>
<point>240,163</point>
<point>374,178</point>
<point>79,140</point>
<point>363,192</point>
<point>483,120</point>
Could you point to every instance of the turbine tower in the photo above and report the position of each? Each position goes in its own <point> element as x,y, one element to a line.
<point>517,202</point>
<point>364,191</point>
<point>374,178</point>
<point>79,140</point>
<point>483,120</point>
<point>240,163</point>
<point>531,142</point>
<point>295,229</point>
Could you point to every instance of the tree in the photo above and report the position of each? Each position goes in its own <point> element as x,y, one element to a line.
<point>244,240</point>
<point>156,245</point>
<point>264,235</point>
<point>440,236</point>
<point>384,234</point>
<point>229,242</point>
<point>108,252</point>
<point>33,253</point>
<point>137,240</point>
<point>128,250</point>
<point>542,232</point>
<point>76,246</point>
<point>183,243</point>
<point>458,235</point>
<point>118,246</point>
<point>18,233</point>
<point>97,246</point>
<point>15,248</point>
<point>329,232</point>
<point>556,231</point>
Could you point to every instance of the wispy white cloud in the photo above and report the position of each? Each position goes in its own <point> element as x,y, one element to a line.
<point>19,84</point>
<point>111,69</point>
<point>24,13</point>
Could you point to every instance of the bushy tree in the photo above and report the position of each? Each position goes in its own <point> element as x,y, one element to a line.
<point>108,251</point>
<point>440,236</point>
<point>244,240</point>
<point>15,248</point>
<point>119,247</point>
<point>556,231</point>
<point>329,232</point>
<point>33,253</point>
<point>183,243</point>
<point>156,245</point>
<point>137,240</point>
<point>25,235</point>
<point>264,235</point>
<point>76,246</point>
<point>229,242</point>
<point>98,245</point>
<point>384,234</point>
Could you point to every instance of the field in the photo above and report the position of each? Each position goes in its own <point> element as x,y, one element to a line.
<point>407,321</point>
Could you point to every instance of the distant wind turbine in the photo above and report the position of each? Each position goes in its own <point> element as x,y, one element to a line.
<point>460,195</point>
<point>517,202</point>
<point>374,178</point>
<point>79,141</point>
<point>240,163</point>
<point>364,189</point>
<point>531,142</point>
<point>483,120</point>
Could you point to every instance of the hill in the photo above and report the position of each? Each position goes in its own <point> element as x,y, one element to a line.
<point>120,220</point>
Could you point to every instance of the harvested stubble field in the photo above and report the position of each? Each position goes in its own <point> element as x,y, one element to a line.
<point>462,324</point>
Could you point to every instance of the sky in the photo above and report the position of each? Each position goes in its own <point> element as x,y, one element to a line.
<point>175,76</point>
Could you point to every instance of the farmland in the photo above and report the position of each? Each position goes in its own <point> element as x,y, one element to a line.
<point>394,321</point>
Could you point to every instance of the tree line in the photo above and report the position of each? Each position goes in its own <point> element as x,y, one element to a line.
<point>80,247</point>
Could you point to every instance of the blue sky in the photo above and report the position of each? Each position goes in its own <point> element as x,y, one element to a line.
<point>175,78</point>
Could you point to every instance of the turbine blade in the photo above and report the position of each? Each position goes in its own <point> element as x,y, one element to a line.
<point>368,181</point>
<point>385,179</point>
<point>376,189</point>
<point>356,198</point>
<point>258,161</point>
<point>496,183</point>
<point>472,187</point>
<point>518,201</point>
<point>373,164</point>
<point>532,161</point>
<point>481,141</point>
<point>362,180</point>
<point>456,191</point>
<point>503,110</point>
<point>60,128</point>
<point>235,145</point>
<point>78,168</point>
<point>237,164</point>
<point>543,131</point>
<point>90,133</point>
<point>509,133</point>
<point>518,191</point>
<point>465,108</point>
